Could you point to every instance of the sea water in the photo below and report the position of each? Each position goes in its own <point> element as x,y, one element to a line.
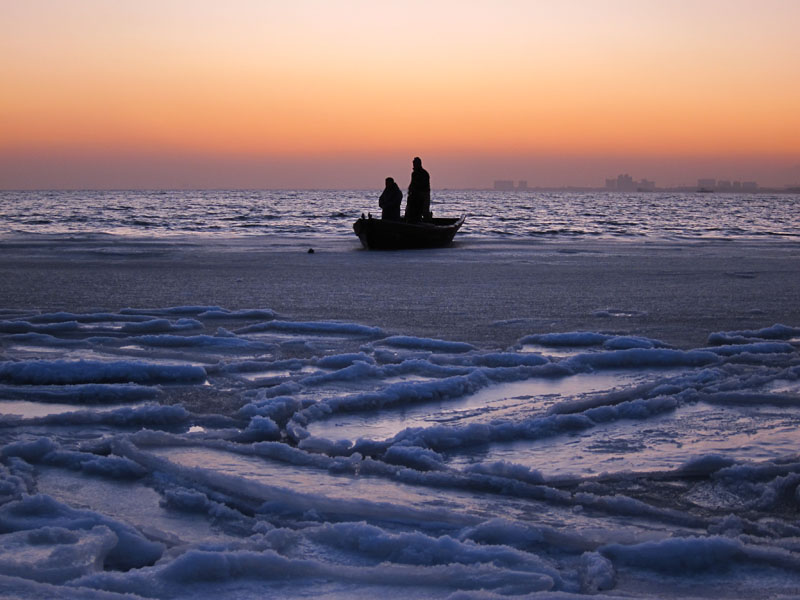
<point>491,215</point>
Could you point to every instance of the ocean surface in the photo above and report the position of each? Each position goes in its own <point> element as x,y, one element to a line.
<point>491,215</point>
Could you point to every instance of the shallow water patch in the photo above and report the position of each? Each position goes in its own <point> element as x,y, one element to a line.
<point>660,443</point>
<point>407,377</point>
<point>28,409</point>
<point>277,374</point>
<point>557,351</point>
<point>783,386</point>
<point>306,480</point>
<point>363,497</point>
<point>503,401</point>
<point>130,502</point>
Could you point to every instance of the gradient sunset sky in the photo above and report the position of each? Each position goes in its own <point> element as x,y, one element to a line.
<point>340,94</point>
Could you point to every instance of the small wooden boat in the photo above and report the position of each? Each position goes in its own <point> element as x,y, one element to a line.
<point>380,234</point>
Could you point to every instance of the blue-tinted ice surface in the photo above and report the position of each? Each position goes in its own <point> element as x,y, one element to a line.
<point>194,452</point>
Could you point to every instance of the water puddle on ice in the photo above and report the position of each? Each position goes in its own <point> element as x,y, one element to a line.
<point>365,497</point>
<point>105,326</point>
<point>27,409</point>
<point>502,401</point>
<point>129,502</point>
<point>315,339</point>
<point>783,386</point>
<point>558,351</point>
<point>269,374</point>
<point>144,354</point>
<point>24,349</point>
<point>112,354</point>
<point>32,352</point>
<point>306,480</point>
<point>407,377</point>
<point>323,393</point>
<point>660,443</point>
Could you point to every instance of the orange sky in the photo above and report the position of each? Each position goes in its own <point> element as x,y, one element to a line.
<point>318,93</point>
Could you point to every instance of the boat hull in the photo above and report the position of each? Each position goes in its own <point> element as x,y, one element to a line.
<point>380,234</point>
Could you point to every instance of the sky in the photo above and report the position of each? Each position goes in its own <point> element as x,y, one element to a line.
<point>342,93</point>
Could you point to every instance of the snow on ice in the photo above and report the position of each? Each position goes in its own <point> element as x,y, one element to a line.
<point>193,452</point>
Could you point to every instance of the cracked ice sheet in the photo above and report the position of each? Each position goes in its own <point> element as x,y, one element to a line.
<point>132,503</point>
<point>500,401</point>
<point>400,502</point>
<point>660,443</point>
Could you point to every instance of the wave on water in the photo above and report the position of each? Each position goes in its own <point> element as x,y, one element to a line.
<point>197,452</point>
<point>491,215</point>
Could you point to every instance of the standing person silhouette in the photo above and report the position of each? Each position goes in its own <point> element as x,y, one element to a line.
<point>390,201</point>
<point>418,204</point>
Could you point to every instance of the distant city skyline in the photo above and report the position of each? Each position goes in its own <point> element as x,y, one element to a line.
<point>155,171</point>
<point>626,183</point>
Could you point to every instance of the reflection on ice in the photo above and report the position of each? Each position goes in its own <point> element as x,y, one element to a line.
<point>31,352</point>
<point>269,374</point>
<point>365,496</point>
<point>303,480</point>
<point>34,350</point>
<point>563,352</point>
<point>130,502</point>
<point>662,443</point>
<point>784,386</point>
<point>27,409</point>
<point>509,400</point>
<point>406,377</point>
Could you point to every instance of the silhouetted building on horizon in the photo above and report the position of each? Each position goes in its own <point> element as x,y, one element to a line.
<point>626,183</point>
<point>724,185</point>
<point>707,183</point>
<point>507,185</point>
<point>645,185</point>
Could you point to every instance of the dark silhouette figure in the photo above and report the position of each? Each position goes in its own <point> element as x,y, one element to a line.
<point>390,201</point>
<point>418,204</point>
